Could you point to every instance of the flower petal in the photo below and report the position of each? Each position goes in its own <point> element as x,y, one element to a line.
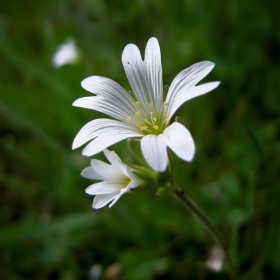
<point>105,140</point>
<point>104,188</point>
<point>180,141</point>
<point>154,151</point>
<point>136,73</point>
<point>104,128</point>
<point>183,96</point>
<point>117,197</point>
<point>110,90</point>
<point>107,171</point>
<point>116,161</point>
<point>187,79</point>
<point>102,199</point>
<point>90,173</point>
<point>154,72</point>
<point>109,107</point>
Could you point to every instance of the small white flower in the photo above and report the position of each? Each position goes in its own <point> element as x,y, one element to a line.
<point>144,115</point>
<point>67,53</point>
<point>116,178</point>
<point>215,259</point>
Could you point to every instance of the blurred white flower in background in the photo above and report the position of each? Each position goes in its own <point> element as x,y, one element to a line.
<point>116,178</point>
<point>95,271</point>
<point>67,53</point>
<point>215,259</point>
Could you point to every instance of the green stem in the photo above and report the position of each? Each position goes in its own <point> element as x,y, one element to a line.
<point>196,210</point>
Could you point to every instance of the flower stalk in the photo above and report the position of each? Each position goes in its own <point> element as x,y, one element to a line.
<point>197,211</point>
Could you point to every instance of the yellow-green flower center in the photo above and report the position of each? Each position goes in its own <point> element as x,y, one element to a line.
<point>148,120</point>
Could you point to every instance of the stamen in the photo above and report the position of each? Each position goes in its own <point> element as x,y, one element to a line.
<point>148,122</point>
<point>155,127</point>
<point>137,114</point>
<point>166,120</point>
<point>177,119</point>
<point>152,118</point>
<point>151,106</point>
<point>165,103</point>
<point>137,103</point>
<point>139,126</point>
<point>144,127</point>
<point>128,119</point>
<point>163,111</point>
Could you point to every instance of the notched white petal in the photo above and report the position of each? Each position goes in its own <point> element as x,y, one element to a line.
<point>185,96</point>
<point>136,72</point>
<point>154,72</point>
<point>154,151</point>
<point>104,128</point>
<point>105,170</point>
<point>90,173</point>
<point>116,161</point>
<point>103,199</point>
<point>117,197</point>
<point>103,188</point>
<point>105,140</point>
<point>188,78</point>
<point>111,107</point>
<point>102,86</point>
<point>180,141</point>
<point>110,90</point>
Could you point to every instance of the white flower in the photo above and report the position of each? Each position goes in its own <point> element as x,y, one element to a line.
<point>215,259</point>
<point>144,114</point>
<point>116,178</point>
<point>67,53</point>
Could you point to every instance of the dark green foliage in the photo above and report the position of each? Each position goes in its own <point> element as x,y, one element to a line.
<point>48,229</point>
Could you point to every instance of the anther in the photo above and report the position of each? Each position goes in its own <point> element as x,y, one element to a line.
<point>144,127</point>
<point>151,106</point>
<point>177,119</point>
<point>137,103</point>
<point>163,111</point>
<point>137,114</point>
<point>128,119</point>
<point>165,103</point>
<point>139,126</point>
<point>155,127</point>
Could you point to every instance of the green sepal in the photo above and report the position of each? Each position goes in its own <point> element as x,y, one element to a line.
<point>145,173</point>
<point>135,148</point>
<point>162,191</point>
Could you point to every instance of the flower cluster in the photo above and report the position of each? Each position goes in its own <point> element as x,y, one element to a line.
<point>143,114</point>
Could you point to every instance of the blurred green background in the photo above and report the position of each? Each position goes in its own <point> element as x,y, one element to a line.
<point>48,228</point>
